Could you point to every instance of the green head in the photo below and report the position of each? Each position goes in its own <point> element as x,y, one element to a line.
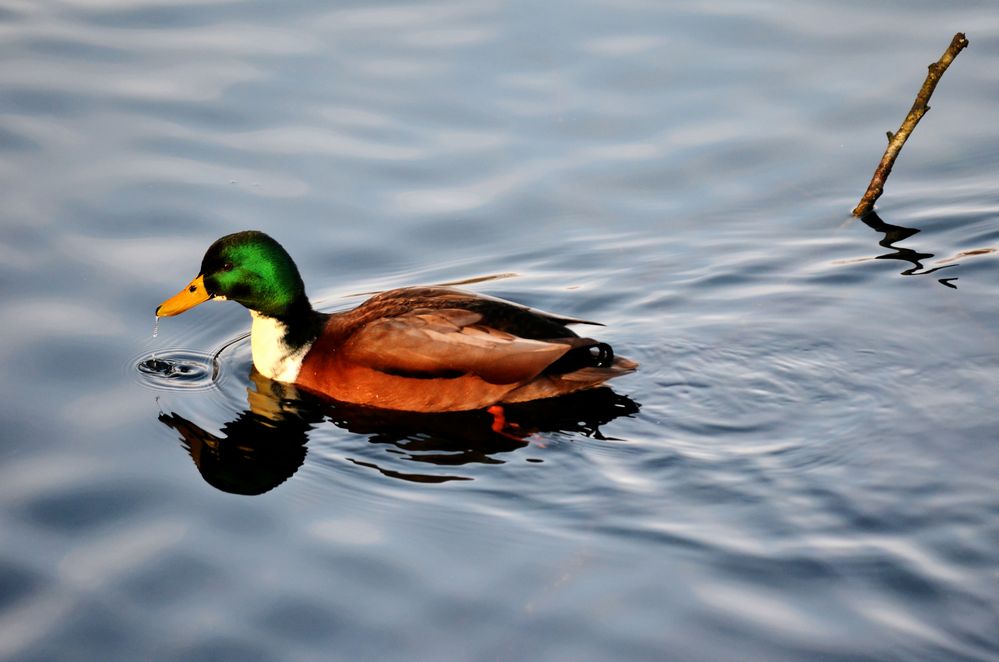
<point>248,267</point>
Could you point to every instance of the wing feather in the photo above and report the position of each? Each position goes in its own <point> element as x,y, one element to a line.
<point>448,342</point>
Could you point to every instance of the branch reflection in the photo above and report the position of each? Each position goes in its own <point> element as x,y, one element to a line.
<point>896,233</point>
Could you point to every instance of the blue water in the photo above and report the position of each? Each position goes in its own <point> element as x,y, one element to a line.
<point>803,468</point>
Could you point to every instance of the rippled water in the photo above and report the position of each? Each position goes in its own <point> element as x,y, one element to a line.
<point>803,468</point>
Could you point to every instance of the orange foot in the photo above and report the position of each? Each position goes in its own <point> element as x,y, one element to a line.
<point>500,424</point>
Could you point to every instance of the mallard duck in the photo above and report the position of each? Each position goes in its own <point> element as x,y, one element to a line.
<point>424,349</point>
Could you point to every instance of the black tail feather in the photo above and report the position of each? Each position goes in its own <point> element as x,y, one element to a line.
<point>592,354</point>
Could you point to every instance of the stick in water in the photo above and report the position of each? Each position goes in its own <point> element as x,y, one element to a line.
<point>896,140</point>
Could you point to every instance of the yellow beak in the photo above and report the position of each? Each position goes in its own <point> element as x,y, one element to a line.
<point>187,298</point>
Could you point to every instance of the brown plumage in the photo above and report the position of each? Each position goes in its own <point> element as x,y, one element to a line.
<point>440,349</point>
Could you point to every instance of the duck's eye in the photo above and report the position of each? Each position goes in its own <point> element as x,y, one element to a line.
<point>227,266</point>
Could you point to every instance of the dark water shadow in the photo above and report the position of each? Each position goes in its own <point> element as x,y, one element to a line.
<point>894,234</point>
<point>267,443</point>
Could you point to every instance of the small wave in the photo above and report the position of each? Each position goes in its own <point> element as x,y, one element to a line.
<point>178,369</point>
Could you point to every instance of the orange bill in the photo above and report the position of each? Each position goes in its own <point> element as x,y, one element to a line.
<point>187,298</point>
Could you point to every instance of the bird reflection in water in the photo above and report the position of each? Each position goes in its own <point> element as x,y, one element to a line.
<point>266,444</point>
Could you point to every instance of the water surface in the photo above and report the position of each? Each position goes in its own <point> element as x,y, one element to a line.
<point>803,468</point>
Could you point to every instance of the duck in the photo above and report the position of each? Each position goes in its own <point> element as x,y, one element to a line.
<point>418,349</point>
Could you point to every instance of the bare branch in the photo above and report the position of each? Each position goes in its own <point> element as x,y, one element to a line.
<point>897,139</point>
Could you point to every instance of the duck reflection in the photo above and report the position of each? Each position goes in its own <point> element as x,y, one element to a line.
<point>267,443</point>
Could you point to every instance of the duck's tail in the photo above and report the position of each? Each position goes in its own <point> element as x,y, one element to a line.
<point>587,365</point>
